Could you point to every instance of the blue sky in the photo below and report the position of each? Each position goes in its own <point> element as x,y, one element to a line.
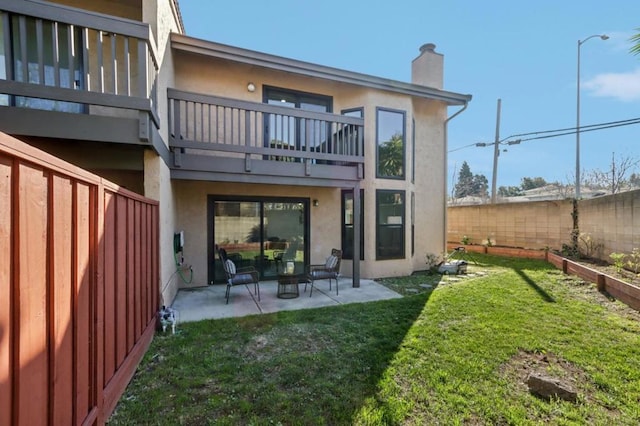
<point>522,52</point>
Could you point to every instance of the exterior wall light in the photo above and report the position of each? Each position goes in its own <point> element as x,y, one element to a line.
<point>251,87</point>
<point>316,203</point>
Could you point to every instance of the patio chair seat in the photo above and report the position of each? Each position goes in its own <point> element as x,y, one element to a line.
<point>330,270</point>
<point>235,276</point>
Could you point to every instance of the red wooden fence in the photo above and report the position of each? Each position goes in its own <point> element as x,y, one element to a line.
<point>78,288</point>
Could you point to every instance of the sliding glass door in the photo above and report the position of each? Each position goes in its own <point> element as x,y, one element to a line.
<point>264,233</point>
<point>286,132</point>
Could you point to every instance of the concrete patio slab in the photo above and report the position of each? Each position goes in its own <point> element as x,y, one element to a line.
<point>208,302</point>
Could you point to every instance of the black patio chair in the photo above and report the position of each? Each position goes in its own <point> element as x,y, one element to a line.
<point>239,276</point>
<point>330,270</point>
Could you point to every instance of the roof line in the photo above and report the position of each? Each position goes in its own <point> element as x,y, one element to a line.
<point>237,54</point>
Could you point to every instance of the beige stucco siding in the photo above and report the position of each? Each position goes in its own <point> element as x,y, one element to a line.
<point>218,77</point>
<point>162,19</point>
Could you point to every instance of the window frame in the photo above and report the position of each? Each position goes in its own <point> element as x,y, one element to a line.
<point>379,226</point>
<point>404,143</point>
<point>344,194</point>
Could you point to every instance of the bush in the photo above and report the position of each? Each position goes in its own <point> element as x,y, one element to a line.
<point>618,261</point>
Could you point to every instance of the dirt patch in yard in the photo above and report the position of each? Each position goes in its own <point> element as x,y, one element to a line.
<point>525,363</point>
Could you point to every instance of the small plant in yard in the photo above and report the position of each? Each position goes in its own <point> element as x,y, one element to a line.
<point>465,240</point>
<point>634,260</point>
<point>618,261</point>
<point>589,246</point>
<point>433,260</point>
<point>488,242</point>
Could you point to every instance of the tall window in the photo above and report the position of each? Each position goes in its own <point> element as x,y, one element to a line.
<point>347,224</point>
<point>390,220</point>
<point>390,136</point>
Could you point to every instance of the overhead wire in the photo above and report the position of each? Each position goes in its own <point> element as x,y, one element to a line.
<point>558,132</point>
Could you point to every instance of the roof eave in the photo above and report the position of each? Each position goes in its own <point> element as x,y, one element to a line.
<point>250,57</point>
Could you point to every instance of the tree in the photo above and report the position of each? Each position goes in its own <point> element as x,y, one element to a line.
<point>532,183</point>
<point>614,179</point>
<point>509,191</point>
<point>480,186</point>
<point>634,180</point>
<point>469,184</point>
<point>635,49</point>
<point>391,156</point>
<point>465,178</point>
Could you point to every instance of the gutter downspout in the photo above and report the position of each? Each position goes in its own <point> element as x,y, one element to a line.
<point>446,174</point>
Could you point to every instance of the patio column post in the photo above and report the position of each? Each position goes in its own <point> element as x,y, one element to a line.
<point>356,234</point>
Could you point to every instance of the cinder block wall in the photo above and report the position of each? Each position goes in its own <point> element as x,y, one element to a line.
<point>612,221</point>
<point>530,225</point>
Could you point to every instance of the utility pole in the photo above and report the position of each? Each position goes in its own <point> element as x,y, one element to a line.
<point>496,153</point>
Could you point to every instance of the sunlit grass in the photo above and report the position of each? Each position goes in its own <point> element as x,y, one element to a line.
<point>437,355</point>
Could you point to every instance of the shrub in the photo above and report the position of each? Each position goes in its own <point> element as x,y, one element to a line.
<point>634,260</point>
<point>589,245</point>
<point>433,260</point>
<point>618,261</point>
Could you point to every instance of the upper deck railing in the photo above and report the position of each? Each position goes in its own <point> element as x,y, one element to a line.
<point>67,59</point>
<point>262,131</point>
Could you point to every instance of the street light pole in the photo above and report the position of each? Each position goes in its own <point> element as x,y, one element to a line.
<point>580,43</point>
<point>496,153</point>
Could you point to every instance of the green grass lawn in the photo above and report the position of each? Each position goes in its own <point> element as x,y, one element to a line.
<point>449,352</point>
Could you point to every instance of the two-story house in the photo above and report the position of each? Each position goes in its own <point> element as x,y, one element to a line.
<point>272,158</point>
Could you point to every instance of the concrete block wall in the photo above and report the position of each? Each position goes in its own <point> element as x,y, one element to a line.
<point>612,221</point>
<point>530,225</point>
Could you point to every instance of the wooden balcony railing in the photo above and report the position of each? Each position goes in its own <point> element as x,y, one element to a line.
<point>233,128</point>
<point>66,59</point>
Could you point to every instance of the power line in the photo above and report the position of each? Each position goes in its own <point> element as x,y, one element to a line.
<point>556,132</point>
<point>462,147</point>
<point>570,130</point>
<point>582,130</point>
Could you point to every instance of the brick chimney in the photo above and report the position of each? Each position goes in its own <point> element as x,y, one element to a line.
<point>427,68</point>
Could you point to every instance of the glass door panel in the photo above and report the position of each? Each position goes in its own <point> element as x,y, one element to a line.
<point>284,237</point>
<point>238,231</point>
<point>264,234</point>
<point>286,132</point>
<point>281,129</point>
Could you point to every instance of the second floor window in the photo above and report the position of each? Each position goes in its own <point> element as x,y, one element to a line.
<point>390,138</point>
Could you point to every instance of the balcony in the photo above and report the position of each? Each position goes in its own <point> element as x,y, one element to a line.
<point>75,74</point>
<point>214,138</point>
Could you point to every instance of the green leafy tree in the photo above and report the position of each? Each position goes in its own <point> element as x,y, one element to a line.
<point>635,49</point>
<point>480,186</point>
<point>465,179</point>
<point>390,156</point>
<point>469,184</point>
<point>532,183</point>
<point>509,191</point>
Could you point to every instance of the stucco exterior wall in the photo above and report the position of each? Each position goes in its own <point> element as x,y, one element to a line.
<point>162,19</point>
<point>130,9</point>
<point>430,175</point>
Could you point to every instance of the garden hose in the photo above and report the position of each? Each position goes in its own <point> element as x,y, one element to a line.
<point>180,270</point>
